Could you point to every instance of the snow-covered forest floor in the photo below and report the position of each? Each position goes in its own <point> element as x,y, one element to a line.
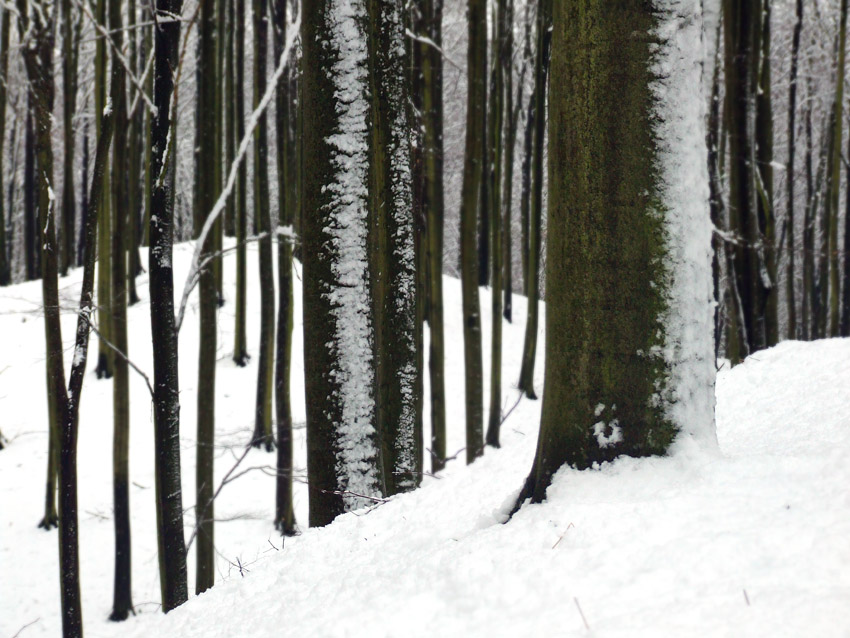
<point>750,539</point>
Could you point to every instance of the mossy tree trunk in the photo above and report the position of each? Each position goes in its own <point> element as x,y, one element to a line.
<point>474,159</point>
<point>169,495</point>
<point>541,65</point>
<point>619,218</point>
<point>343,455</point>
<point>122,601</point>
<point>263,436</point>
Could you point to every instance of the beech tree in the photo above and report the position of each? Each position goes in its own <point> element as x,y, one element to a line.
<point>629,352</point>
<point>169,495</point>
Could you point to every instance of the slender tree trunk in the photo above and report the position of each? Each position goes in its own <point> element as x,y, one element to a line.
<point>263,436</point>
<point>131,236</point>
<point>122,602</point>
<point>844,326</point>
<point>31,243</point>
<point>433,201</point>
<point>205,189</point>
<point>470,193</point>
<point>240,347</point>
<point>105,356</point>
<point>790,273</point>
<point>68,102</point>
<point>284,512</point>
<point>343,456</point>
<point>808,224</point>
<point>84,203</point>
<point>605,393</point>
<point>5,269</point>
<point>716,207</point>
<point>512,110</point>
<point>169,495</point>
<point>527,151</point>
<point>835,179</point>
<point>495,123</point>
<point>229,80</point>
<point>529,349</point>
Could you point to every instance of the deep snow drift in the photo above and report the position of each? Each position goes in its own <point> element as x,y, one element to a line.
<point>747,540</point>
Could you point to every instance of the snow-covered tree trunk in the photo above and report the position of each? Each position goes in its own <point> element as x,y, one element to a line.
<point>629,363</point>
<point>392,260</point>
<point>343,461</point>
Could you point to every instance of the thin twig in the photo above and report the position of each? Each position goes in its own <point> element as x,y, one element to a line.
<point>115,349</point>
<point>581,613</point>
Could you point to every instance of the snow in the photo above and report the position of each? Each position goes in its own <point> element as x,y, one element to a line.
<point>680,131</point>
<point>748,538</point>
<point>347,230</point>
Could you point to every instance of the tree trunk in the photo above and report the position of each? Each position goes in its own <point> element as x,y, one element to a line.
<point>5,269</point>
<point>104,368</point>
<point>169,495</point>
<point>790,175</point>
<point>284,512</point>
<point>240,346</point>
<point>470,193</point>
<point>529,349</point>
<point>263,436</point>
<point>495,123</point>
<point>433,203</point>
<point>837,125</point>
<point>343,457</point>
<point>620,214</point>
<point>122,602</point>
<point>31,243</point>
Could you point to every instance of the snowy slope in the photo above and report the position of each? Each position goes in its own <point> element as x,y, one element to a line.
<point>750,540</point>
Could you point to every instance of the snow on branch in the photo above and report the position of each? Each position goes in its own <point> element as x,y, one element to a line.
<point>194,269</point>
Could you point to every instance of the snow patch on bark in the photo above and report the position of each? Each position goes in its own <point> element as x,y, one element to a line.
<point>681,146</point>
<point>347,230</point>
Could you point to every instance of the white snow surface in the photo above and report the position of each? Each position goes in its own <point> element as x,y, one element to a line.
<point>746,538</point>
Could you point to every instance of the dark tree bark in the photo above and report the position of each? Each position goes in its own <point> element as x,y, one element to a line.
<point>31,243</point>
<point>263,436</point>
<point>135,145</point>
<point>392,259</point>
<point>495,145</point>
<point>169,495</point>
<point>122,601</point>
<point>5,270</point>
<point>609,387</point>
<point>529,349</point>
<point>474,159</point>
<point>104,368</point>
<point>206,187</point>
<point>240,347</point>
<point>343,457</point>
<point>284,513</point>
<point>790,271</point>
<point>433,204</point>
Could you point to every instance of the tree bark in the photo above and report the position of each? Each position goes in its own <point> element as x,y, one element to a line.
<point>790,179</point>
<point>240,346</point>
<point>614,225</point>
<point>169,495</point>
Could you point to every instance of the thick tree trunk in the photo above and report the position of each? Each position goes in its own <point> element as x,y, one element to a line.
<point>391,240</point>
<point>620,216</point>
<point>169,495</point>
<point>343,457</point>
<point>529,349</point>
